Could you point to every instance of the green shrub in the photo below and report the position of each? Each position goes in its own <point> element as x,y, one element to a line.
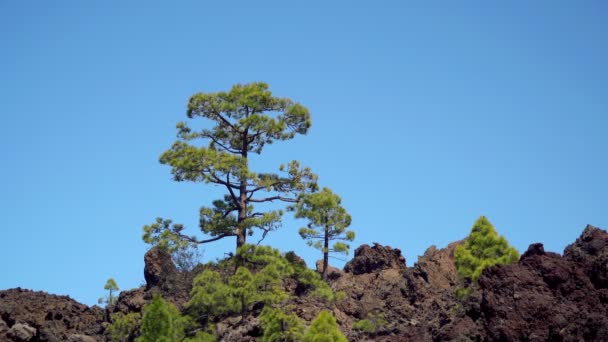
<point>481,249</point>
<point>202,336</point>
<point>258,280</point>
<point>281,327</point>
<point>365,325</point>
<point>124,327</point>
<point>324,328</point>
<point>162,322</point>
<point>371,323</point>
<point>463,293</point>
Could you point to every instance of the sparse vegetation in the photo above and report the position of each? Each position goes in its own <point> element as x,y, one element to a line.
<point>371,323</point>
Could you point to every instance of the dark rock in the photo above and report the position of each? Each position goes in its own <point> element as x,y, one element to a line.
<point>295,259</point>
<point>53,318</point>
<point>130,301</point>
<point>163,278</point>
<point>590,252</point>
<point>3,327</point>
<point>369,259</point>
<point>159,267</point>
<point>534,249</point>
<point>332,272</point>
<point>543,297</point>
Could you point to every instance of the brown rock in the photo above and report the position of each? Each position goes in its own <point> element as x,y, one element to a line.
<point>81,338</point>
<point>590,251</point>
<point>369,259</point>
<point>54,318</point>
<point>332,272</point>
<point>159,267</point>
<point>21,332</point>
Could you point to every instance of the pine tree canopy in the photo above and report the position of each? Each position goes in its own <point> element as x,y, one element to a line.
<point>111,285</point>
<point>481,249</point>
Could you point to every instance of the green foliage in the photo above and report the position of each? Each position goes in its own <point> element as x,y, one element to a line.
<point>124,327</point>
<point>481,249</point>
<point>166,235</point>
<point>371,323</point>
<point>258,280</point>
<point>210,296</point>
<point>324,328</point>
<point>281,327</point>
<point>328,222</point>
<point>163,233</point>
<point>202,336</point>
<point>111,286</point>
<point>365,325</point>
<point>245,119</point>
<point>162,322</point>
<point>463,292</point>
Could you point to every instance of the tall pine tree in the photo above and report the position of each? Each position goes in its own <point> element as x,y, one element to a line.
<point>244,120</point>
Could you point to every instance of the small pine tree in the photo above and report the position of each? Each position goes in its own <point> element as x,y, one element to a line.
<point>124,327</point>
<point>281,327</point>
<point>481,249</point>
<point>111,286</point>
<point>324,328</point>
<point>210,296</point>
<point>328,222</point>
<point>161,322</point>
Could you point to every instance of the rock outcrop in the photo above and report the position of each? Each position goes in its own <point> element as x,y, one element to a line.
<point>543,297</point>
<point>37,316</point>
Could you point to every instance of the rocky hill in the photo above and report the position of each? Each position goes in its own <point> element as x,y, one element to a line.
<point>543,297</point>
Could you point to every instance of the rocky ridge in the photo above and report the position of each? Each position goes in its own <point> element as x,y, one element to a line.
<point>543,297</point>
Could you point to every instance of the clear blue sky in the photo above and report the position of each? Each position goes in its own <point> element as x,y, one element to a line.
<point>426,115</point>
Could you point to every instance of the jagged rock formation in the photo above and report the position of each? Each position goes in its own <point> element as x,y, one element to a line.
<point>543,297</point>
<point>37,316</point>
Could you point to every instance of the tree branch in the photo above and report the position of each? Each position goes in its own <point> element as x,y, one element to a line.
<point>226,122</point>
<point>273,198</point>
<point>232,195</point>
<point>215,140</point>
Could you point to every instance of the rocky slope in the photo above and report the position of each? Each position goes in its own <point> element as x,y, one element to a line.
<point>543,297</point>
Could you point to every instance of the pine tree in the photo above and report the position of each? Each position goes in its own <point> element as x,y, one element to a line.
<point>245,120</point>
<point>324,328</point>
<point>481,249</point>
<point>111,286</point>
<point>161,322</point>
<point>328,222</point>
<point>281,327</point>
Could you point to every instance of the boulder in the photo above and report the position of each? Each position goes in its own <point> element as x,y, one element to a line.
<point>370,259</point>
<point>159,267</point>
<point>21,332</point>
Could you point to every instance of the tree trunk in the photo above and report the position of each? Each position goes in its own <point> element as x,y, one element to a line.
<point>241,235</point>
<point>326,253</point>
